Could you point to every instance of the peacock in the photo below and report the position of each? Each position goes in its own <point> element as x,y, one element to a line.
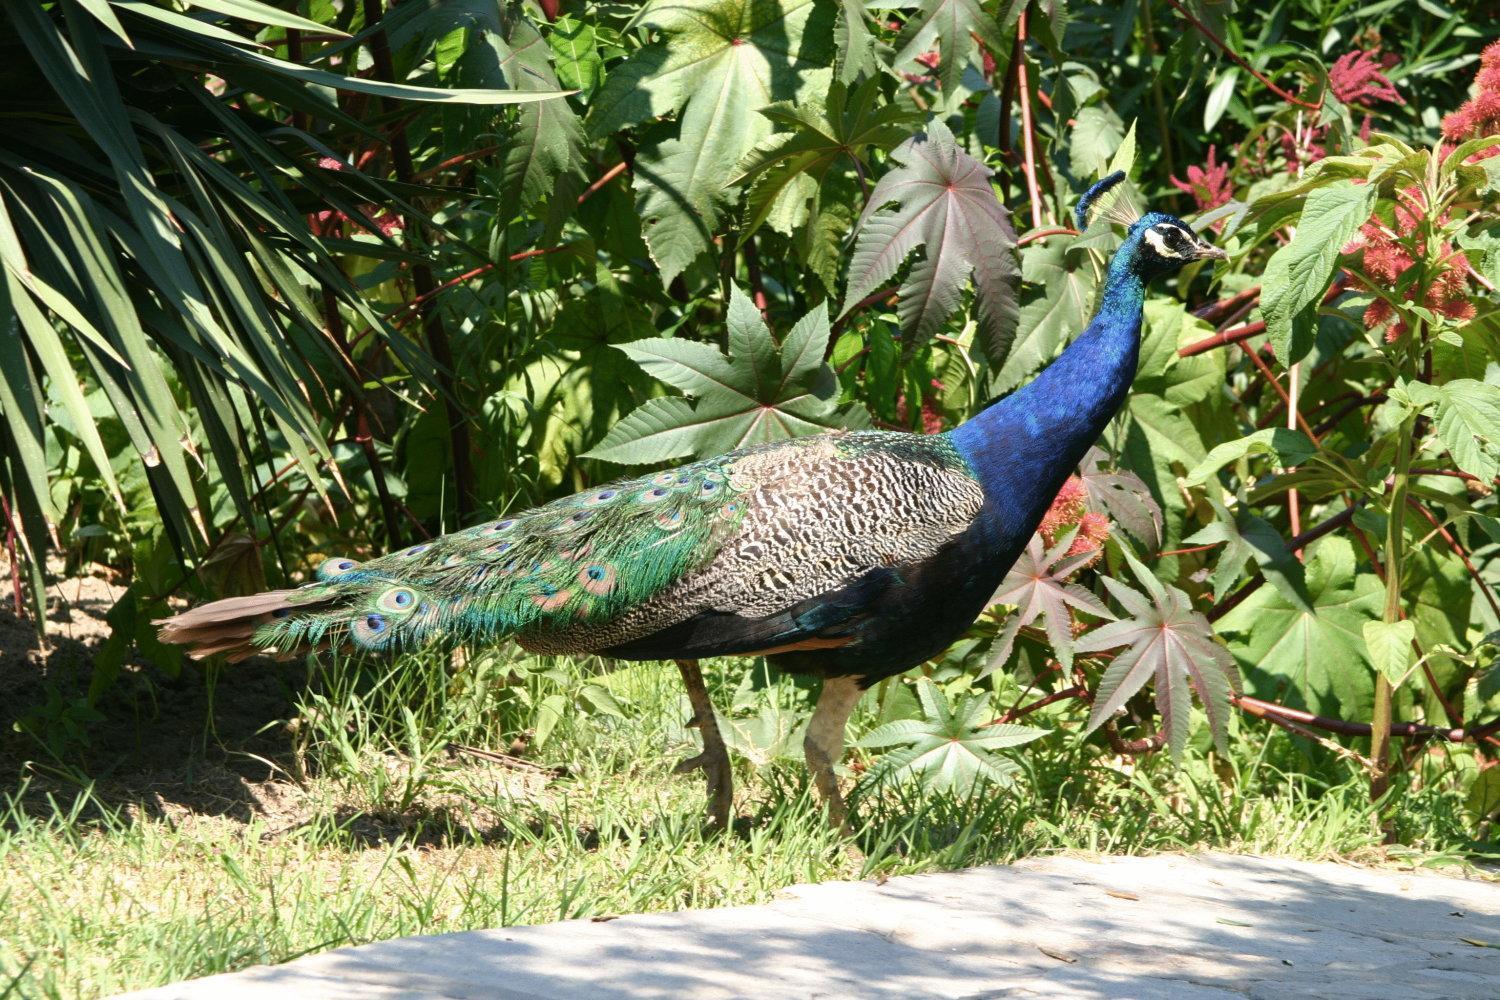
<point>851,556</point>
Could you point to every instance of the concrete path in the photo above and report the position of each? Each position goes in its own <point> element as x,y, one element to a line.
<point>1208,927</point>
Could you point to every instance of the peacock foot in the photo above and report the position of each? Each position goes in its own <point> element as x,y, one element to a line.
<point>714,763</point>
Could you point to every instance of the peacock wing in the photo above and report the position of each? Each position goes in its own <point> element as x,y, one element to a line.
<point>820,523</point>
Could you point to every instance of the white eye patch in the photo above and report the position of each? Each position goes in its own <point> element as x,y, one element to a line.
<point>1158,240</point>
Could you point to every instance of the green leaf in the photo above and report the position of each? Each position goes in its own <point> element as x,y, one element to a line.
<point>1314,660</point>
<point>1290,447</point>
<point>1389,646</point>
<point>1483,799</point>
<point>1468,423</point>
<point>1095,138</point>
<point>1124,496</point>
<point>1252,538</point>
<point>819,136</point>
<point>575,55</point>
<point>1218,98</point>
<point>950,26</point>
<point>943,204</point>
<point>856,43</point>
<point>1298,274</point>
<point>1058,310</point>
<point>264,13</point>
<point>755,394</point>
<point>949,749</point>
<point>547,145</point>
<point>720,62</point>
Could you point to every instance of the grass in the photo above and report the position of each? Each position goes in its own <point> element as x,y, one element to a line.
<point>367,826</point>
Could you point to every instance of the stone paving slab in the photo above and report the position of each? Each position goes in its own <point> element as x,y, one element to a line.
<point>1204,927</point>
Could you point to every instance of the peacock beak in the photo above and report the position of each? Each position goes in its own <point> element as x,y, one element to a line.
<point>1207,251</point>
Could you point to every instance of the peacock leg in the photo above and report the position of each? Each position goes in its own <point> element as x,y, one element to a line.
<point>824,743</point>
<point>714,760</point>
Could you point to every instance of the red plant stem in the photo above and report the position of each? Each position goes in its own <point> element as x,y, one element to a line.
<point>1028,166</point>
<point>604,178</point>
<point>1408,730</point>
<point>1187,551</point>
<point>15,562</point>
<point>757,286</point>
<point>1270,377</point>
<point>1007,95</point>
<point>454,161</point>
<point>1076,691</point>
<point>589,192</point>
<point>1216,311</point>
<point>1458,550</point>
<point>1234,57</point>
<point>1222,339</point>
<point>864,303</point>
<point>1041,234</point>
<point>1467,477</point>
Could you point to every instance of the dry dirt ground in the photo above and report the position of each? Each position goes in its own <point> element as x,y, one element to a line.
<point>175,747</point>
<point>188,750</point>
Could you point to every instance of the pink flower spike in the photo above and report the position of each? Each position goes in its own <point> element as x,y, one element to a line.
<point>1209,185</point>
<point>1356,79</point>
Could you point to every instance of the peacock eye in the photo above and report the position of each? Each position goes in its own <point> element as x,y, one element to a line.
<point>605,495</point>
<point>375,623</point>
<point>596,572</point>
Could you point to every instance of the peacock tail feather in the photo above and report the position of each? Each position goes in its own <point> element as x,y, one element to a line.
<point>580,560</point>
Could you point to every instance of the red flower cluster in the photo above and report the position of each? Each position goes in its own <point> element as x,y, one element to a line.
<point>1208,185</point>
<point>1480,114</point>
<point>1356,79</point>
<point>1391,251</point>
<point>932,417</point>
<point>386,221</point>
<point>1070,509</point>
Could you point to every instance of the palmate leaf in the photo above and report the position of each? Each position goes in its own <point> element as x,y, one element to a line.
<point>949,749</point>
<point>800,178</point>
<point>1251,538</point>
<point>1315,660</point>
<point>939,200</point>
<point>544,152</point>
<point>1124,496</point>
<point>951,26</point>
<point>758,392</point>
<point>1165,640</point>
<point>1038,586</point>
<point>719,63</point>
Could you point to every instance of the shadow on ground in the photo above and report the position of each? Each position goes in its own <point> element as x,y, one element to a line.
<point>1211,926</point>
<point>158,745</point>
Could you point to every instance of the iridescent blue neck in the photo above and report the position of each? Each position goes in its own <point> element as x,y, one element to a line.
<point>1023,447</point>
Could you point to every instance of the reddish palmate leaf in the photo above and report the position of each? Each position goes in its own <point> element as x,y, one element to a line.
<point>1037,585</point>
<point>939,200</point>
<point>1124,497</point>
<point>1167,640</point>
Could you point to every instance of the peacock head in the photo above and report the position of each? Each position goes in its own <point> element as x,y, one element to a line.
<point>1156,245</point>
